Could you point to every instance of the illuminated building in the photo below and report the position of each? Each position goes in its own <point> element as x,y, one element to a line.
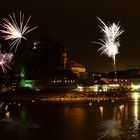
<point>76,67</point>
<point>56,80</point>
<point>63,79</point>
<point>102,85</point>
<point>24,82</point>
<point>129,80</point>
<point>135,87</point>
<point>71,64</point>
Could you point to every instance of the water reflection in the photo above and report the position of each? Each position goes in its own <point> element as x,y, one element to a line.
<point>136,96</point>
<point>77,121</point>
<point>14,121</point>
<point>7,115</point>
<point>126,115</point>
<point>136,121</point>
<point>109,128</point>
<point>136,110</point>
<point>76,114</point>
<point>101,109</point>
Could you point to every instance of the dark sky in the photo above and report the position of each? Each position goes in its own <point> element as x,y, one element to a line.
<point>73,23</point>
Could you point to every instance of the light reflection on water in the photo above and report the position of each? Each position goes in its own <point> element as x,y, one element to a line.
<point>72,121</point>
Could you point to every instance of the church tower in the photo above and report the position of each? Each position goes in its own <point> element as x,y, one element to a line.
<point>64,59</point>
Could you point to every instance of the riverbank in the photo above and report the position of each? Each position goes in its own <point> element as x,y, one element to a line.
<point>64,96</point>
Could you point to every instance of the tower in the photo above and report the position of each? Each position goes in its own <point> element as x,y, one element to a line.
<point>64,59</point>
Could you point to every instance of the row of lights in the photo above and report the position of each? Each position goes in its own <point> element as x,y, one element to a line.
<point>60,81</point>
<point>122,80</point>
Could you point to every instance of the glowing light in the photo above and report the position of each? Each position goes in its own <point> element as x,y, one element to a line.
<point>135,96</point>
<point>22,73</point>
<point>114,85</point>
<point>6,107</point>
<point>135,86</point>
<point>80,88</point>
<point>90,104</point>
<point>121,107</point>
<point>19,104</point>
<point>136,110</point>
<point>110,42</point>
<point>26,83</point>
<point>7,115</point>
<point>101,110</point>
<point>5,59</point>
<point>14,31</point>
<point>109,128</point>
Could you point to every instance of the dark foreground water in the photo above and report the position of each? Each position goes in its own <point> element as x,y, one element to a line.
<point>70,121</point>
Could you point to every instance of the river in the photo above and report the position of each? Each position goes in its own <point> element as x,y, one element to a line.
<point>71,121</point>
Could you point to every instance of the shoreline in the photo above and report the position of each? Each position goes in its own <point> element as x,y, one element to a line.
<point>64,97</point>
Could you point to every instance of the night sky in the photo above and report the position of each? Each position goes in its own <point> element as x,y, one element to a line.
<point>74,24</point>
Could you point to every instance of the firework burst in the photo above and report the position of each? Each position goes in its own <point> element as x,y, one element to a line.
<point>110,42</point>
<point>5,59</point>
<point>14,30</point>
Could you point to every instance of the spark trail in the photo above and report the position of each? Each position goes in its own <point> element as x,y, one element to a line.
<point>14,30</point>
<point>110,42</point>
<point>5,59</point>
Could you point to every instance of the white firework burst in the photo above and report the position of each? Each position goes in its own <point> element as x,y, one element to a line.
<point>15,30</point>
<point>110,42</point>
